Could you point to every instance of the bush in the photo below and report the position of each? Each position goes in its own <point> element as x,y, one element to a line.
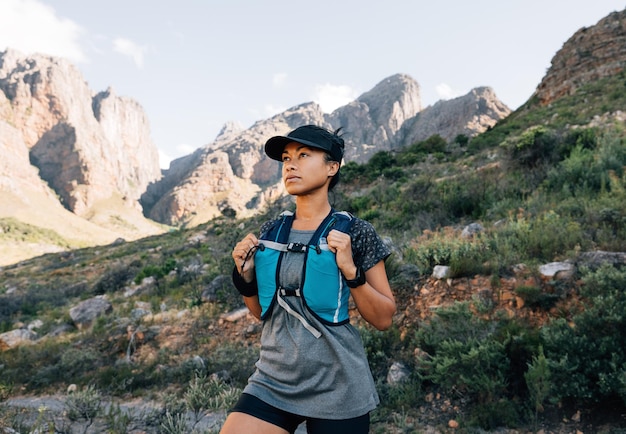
<point>236,359</point>
<point>533,148</point>
<point>542,238</point>
<point>468,358</point>
<point>465,257</point>
<point>534,296</point>
<point>84,405</point>
<point>588,359</point>
<point>380,347</point>
<point>114,279</point>
<point>156,271</point>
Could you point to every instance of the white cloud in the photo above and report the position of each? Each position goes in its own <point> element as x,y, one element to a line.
<point>129,48</point>
<point>271,110</point>
<point>444,91</point>
<point>184,149</point>
<point>330,96</point>
<point>181,150</point>
<point>164,159</point>
<point>32,27</point>
<point>279,79</point>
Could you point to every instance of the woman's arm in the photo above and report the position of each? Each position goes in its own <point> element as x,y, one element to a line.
<point>254,306</point>
<point>244,275</point>
<point>374,298</point>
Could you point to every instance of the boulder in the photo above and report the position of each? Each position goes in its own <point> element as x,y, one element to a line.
<point>15,338</point>
<point>557,271</point>
<point>87,311</point>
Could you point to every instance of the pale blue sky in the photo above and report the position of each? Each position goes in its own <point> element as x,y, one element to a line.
<point>195,64</point>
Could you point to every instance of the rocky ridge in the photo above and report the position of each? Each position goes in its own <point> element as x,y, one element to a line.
<point>87,157</point>
<point>589,55</point>
<point>233,174</point>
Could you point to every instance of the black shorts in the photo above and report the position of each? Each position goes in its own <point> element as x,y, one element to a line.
<point>253,406</point>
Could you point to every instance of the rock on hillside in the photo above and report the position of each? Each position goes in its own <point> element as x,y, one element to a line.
<point>85,146</point>
<point>234,174</point>
<point>589,55</point>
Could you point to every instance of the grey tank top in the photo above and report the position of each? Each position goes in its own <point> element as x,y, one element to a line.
<point>326,377</point>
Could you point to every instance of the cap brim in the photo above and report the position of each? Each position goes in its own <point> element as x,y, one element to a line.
<point>275,146</point>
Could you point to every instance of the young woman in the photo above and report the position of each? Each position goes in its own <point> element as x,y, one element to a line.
<point>297,276</point>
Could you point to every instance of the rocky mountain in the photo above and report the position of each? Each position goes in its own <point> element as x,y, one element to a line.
<point>589,55</point>
<point>232,174</point>
<point>73,162</point>
<point>85,146</point>
<point>82,164</point>
<point>87,153</point>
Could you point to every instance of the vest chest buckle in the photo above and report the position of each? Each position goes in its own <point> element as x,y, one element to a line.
<point>296,247</point>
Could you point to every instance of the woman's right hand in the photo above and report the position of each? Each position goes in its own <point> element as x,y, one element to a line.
<point>243,255</point>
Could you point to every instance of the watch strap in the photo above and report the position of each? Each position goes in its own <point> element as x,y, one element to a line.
<point>358,280</point>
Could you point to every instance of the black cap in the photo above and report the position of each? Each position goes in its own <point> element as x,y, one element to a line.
<point>309,135</point>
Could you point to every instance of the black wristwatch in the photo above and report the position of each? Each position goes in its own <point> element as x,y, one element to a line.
<point>358,280</point>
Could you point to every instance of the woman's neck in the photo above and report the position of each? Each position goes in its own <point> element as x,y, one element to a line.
<point>310,213</point>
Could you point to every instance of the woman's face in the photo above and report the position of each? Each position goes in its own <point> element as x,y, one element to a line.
<point>305,169</point>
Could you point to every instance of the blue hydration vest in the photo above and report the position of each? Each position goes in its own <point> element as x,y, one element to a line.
<point>322,286</point>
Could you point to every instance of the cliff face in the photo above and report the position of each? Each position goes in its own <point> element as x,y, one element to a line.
<point>72,162</point>
<point>85,147</point>
<point>590,54</point>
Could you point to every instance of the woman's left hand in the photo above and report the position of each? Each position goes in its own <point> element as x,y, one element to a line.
<point>340,244</point>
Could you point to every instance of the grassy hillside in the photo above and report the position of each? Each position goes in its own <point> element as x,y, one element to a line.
<point>546,184</point>
<point>33,223</point>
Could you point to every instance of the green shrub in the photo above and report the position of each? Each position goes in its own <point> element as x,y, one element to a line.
<point>469,358</point>
<point>465,257</point>
<point>588,359</point>
<point>534,296</point>
<point>352,171</point>
<point>117,420</point>
<point>236,358</point>
<point>538,382</point>
<point>532,148</point>
<point>542,238</point>
<point>378,163</point>
<point>77,362</point>
<point>85,404</point>
<point>380,347</point>
<point>156,271</point>
<point>114,279</point>
<point>461,140</point>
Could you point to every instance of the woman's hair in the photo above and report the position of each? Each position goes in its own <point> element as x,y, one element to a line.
<point>328,158</point>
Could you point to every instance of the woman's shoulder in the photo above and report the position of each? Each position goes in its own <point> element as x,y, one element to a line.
<point>368,246</point>
<point>270,223</point>
<point>362,227</point>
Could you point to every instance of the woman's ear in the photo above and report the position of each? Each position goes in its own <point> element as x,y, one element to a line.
<point>334,168</point>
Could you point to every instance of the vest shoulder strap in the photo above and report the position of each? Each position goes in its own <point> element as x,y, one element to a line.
<point>279,231</point>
